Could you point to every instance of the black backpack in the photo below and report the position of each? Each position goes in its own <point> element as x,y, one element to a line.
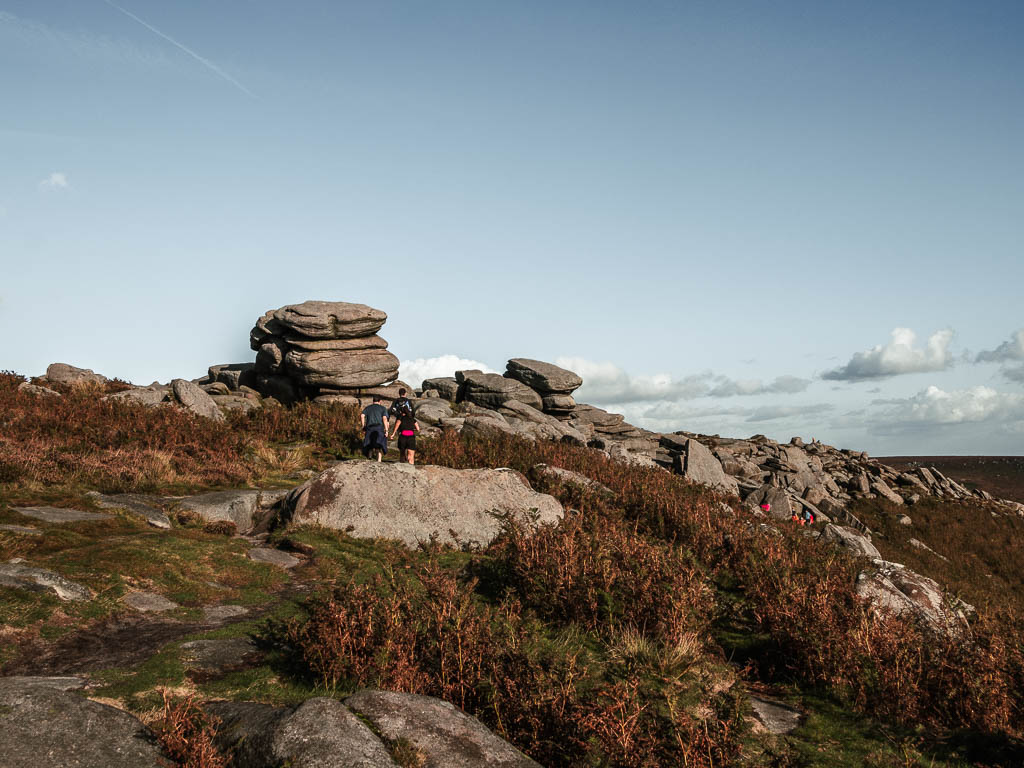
<point>401,408</point>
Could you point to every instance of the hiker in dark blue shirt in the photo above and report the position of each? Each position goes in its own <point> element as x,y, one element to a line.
<point>374,420</point>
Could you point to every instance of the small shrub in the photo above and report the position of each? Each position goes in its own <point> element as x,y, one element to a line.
<point>187,732</point>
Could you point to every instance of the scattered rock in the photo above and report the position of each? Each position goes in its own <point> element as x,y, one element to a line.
<point>218,655</point>
<point>697,464</point>
<point>43,723</point>
<point>21,576</point>
<point>570,477</point>
<point>273,557</point>
<point>142,395</point>
<point>774,716</point>
<point>446,387</point>
<point>59,514</point>
<point>446,736</point>
<point>62,373</point>
<point>148,602</point>
<point>135,503</point>
<point>218,613</point>
<point>892,587</point>
<point>851,540</point>
<point>370,500</point>
<point>238,507</point>
<point>34,389</point>
<point>193,399</point>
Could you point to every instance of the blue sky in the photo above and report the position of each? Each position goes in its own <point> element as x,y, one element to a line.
<point>716,211</point>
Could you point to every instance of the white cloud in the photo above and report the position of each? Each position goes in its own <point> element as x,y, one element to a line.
<point>55,180</point>
<point>1007,351</point>
<point>607,383</point>
<point>782,385</point>
<point>415,371</point>
<point>934,406</point>
<point>897,357</point>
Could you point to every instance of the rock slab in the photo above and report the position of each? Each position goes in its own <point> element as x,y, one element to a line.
<point>44,724</point>
<point>371,500</point>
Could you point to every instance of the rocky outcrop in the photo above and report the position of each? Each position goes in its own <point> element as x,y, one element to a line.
<point>44,722</point>
<point>34,389</point>
<point>492,390</point>
<point>555,385</point>
<point>414,504</point>
<point>323,348</point>
<point>246,509</point>
<point>854,542</point>
<point>443,735</point>
<point>894,588</point>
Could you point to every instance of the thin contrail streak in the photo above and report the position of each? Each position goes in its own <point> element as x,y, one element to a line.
<point>205,62</point>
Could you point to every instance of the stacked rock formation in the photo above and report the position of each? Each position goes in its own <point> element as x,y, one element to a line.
<point>554,385</point>
<point>326,350</point>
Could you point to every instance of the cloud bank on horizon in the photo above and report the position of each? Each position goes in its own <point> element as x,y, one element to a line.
<point>666,403</point>
<point>897,358</point>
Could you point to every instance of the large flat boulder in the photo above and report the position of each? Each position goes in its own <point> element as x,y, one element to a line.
<point>369,500</point>
<point>546,378</point>
<point>444,735</point>
<point>894,588</point>
<point>851,540</point>
<point>320,320</point>
<point>238,507</point>
<point>447,387</point>
<point>342,369</point>
<point>492,390</point>
<point>60,514</point>
<point>44,724</point>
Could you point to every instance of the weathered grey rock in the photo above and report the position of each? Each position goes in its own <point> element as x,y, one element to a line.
<point>192,398</point>
<point>546,378</point>
<point>568,476</point>
<point>447,387</point>
<point>905,520</point>
<point>236,403</point>
<point>233,375</point>
<point>273,557</point>
<point>324,320</point>
<point>777,498</point>
<point>432,410</point>
<point>411,504</point>
<point>21,576</point>
<point>270,355</point>
<point>492,390</point>
<point>59,514</point>
<point>148,602</point>
<point>220,654</point>
<point>560,404</point>
<point>446,736</point>
<point>238,507</point>
<point>602,420</point>
<point>135,503</point>
<point>216,388</point>
<point>891,587</point>
<point>43,724</point>
<point>699,465</point>
<point>774,716</point>
<point>918,544</point>
<point>142,395</point>
<point>320,733</point>
<point>33,389</point>
<point>886,492</point>
<point>219,613</point>
<point>851,540</point>
<point>335,345</point>
<point>346,370</point>
<point>62,373</point>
